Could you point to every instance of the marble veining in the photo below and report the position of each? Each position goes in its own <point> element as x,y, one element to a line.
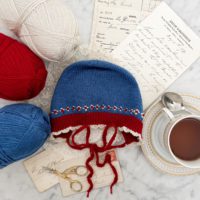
<point>141,180</point>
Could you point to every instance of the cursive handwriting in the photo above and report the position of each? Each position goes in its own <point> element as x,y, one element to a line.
<point>156,53</point>
<point>114,20</point>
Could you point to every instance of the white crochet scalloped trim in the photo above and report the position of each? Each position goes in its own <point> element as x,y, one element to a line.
<point>101,126</point>
<point>127,130</point>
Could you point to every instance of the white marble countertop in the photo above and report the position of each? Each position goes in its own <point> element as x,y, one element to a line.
<point>141,180</point>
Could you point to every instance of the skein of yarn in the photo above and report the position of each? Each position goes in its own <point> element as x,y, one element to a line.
<point>47,27</point>
<point>22,73</point>
<point>23,130</point>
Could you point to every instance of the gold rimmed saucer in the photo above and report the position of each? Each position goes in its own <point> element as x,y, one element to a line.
<point>155,153</point>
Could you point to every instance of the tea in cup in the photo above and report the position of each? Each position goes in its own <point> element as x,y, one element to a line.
<point>181,137</point>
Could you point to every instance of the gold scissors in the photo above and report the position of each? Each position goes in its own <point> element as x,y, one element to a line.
<point>75,185</point>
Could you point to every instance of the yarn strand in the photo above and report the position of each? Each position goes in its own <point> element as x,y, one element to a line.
<point>91,171</point>
<point>27,12</point>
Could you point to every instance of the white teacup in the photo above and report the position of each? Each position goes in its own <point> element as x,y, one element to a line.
<point>175,118</point>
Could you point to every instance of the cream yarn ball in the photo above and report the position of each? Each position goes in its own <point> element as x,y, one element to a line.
<point>47,27</point>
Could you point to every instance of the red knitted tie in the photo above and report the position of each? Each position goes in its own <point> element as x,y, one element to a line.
<point>94,151</point>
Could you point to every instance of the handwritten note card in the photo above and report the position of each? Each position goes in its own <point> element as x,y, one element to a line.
<point>59,156</point>
<point>35,167</point>
<point>158,52</point>
<point>115,19</point>
<point>101,178</point>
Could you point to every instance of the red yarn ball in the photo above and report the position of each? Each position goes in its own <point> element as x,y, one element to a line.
<point>22,73</point>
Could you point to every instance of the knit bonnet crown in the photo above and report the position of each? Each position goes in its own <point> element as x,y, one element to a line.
<point>97,93</point>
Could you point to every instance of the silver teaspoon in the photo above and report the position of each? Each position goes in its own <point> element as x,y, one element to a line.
<point>173,103</point>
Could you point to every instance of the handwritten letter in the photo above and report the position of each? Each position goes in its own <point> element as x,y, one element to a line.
<point>115,19</point>
<point>35,167</point>
<point>158,52</point>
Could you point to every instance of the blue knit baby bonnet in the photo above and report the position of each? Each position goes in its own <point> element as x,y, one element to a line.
<point>97,93</point>
<point>23,130</point>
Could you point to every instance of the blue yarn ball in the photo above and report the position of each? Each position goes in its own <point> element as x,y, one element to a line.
<point>23,130</point>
